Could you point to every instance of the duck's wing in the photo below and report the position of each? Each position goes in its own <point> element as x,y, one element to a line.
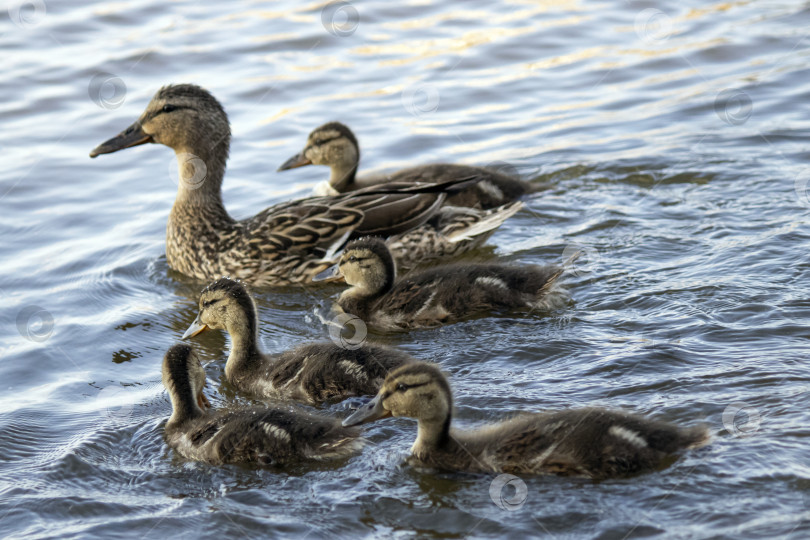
<point>318,372</point>
<point>397,207</point>
<point>320,222</point>
<point>411,297</point>
<point>493,188</point>
<point>274,436</point>
<point>303,225</point>
<point>451,232</point>
<point>533,444</point>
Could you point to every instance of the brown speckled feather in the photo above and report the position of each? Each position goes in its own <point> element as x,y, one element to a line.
<point>272,436</point>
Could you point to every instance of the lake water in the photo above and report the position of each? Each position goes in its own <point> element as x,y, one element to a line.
<point>675,140</point>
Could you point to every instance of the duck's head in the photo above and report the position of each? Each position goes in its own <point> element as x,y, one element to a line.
<point>184,117</point>
<point>333,145</point>
<point>417,390</point>
<point>366,265</point>
<point>184,378</point>
<point>227,305</point>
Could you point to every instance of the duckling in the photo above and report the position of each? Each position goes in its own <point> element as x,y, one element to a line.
<point>312,373</point>
<point>334,145</point>
<point>282,245</point>
<point>265,436</point>
<point>439,295</point>
<point>592,442</point>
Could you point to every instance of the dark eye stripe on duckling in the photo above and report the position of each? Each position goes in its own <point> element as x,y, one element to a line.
<point>402,387</point>
<point>354,258</point>
<point>324,141</point>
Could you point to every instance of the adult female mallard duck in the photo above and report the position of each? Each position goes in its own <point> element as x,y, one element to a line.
<point>335,146</point>
<point>313,373</point>
<point>437,296</point>
<point>283,244</point>
<point>593,442</point>
<point>266,436</point>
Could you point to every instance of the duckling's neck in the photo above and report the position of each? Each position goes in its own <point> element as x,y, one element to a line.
<point>184,404</point>
<point>245,355</point>
<point>342,178</point>
<point>359,298</point>
<point>344,172</point>
<point>432,435</point>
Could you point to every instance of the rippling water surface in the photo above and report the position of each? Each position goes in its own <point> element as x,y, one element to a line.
<point>674,139</point>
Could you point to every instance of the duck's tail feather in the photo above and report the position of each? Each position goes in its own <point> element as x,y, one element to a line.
<point>695,437</point>
<point>488,223</point>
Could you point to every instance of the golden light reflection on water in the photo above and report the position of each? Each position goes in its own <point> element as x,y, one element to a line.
<point>421,49</point>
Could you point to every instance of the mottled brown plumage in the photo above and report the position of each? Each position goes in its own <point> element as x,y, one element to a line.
<point>312,373</point>
<point>440,295</point>
<point>452,231</point>
<point>281,245</point>
<point>595,443</point>
<point>334,145</point>
<point>264,436</point>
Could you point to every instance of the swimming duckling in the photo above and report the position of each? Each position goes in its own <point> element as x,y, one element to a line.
<point>312,373</point>
<point>266,436</point>
<point>335,146</point>
<point>439,295</point>
<point>592,442</point>
<point>284,244</point>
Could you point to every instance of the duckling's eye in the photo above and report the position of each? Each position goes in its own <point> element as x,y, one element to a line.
<point>169,108</point>
<point>402,387</point>
<point>209,303</point>
<point>352,259</point>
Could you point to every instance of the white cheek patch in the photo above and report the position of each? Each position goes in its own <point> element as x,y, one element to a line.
<point>492,282</point>
<point>276,432</point>
<point>628,435</point>
<point>354,370</point>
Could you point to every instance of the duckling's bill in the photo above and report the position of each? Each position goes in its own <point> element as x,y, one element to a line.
<point>195,328</point>
<point>330,273</point>
<point>298,160</point>
<point>373,410</point>
<point>132,136</point>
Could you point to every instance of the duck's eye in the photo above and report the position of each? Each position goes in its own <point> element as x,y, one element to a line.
<point>352,259</point>
<point>402,387</point>
<point>209,303</point>
<point>169,108</point>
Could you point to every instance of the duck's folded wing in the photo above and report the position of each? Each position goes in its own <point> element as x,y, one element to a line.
<point>303,225</point>
<point>389,214</point>
<point>318,224</point>
<point>397,207</point>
